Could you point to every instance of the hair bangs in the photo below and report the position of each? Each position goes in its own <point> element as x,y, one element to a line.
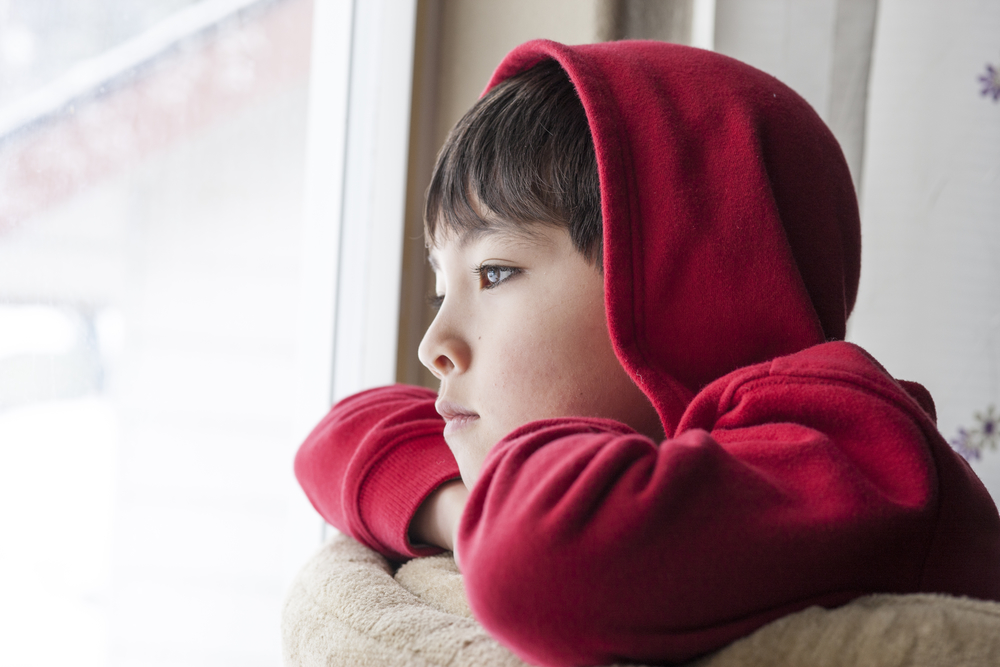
<point>522,156</point>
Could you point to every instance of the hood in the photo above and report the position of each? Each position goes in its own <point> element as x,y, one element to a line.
<point>731,230</point>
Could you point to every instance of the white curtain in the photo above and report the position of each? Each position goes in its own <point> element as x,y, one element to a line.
<point>929,306</point>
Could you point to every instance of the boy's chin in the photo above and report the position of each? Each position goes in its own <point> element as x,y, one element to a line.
<point>469,453</point>
<point>469,471</point>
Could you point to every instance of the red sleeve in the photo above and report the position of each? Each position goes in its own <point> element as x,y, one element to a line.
<point>372,461</point>
<point>585,543</point>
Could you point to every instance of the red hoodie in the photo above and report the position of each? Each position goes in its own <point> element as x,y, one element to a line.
<point>795,471</point>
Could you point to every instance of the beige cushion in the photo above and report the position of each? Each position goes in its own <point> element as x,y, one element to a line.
<point>347,608</point>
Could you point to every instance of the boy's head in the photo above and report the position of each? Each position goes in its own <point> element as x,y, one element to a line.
<point>714,198</point>
<point>513,224</point>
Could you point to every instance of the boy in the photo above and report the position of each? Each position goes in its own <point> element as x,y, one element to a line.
<point>645,256</point>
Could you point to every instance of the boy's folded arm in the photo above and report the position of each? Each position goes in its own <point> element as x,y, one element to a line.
<point>436,520</point>
<point>372,461</point>
<point>585,543</point>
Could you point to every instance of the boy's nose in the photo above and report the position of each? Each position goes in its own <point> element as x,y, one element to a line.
<point>443,352</point>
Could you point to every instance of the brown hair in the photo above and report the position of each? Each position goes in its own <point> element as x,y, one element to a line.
<point>522,155</point>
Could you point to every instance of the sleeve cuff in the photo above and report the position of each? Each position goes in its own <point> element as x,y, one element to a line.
<point>396,486</point>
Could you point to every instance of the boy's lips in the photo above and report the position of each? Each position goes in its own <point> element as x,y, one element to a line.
<point>456,417</point>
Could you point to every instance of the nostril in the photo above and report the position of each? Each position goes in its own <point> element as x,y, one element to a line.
<point>443,363</point>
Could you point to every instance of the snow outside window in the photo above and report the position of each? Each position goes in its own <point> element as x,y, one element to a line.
<point>152,169</point>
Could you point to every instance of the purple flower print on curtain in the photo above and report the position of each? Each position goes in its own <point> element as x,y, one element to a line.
<point>971,443</point>
<point>991,82</point>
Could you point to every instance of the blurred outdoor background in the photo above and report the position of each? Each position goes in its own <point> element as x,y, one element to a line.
<point>210,229</point>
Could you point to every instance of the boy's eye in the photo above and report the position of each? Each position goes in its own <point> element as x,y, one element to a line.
<point>435,301</point>
<point>491,275</point>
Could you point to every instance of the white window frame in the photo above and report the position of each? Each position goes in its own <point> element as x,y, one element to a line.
<point>356,164</point>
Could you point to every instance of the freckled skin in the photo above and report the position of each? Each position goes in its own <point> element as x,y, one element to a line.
<point>524,340</point>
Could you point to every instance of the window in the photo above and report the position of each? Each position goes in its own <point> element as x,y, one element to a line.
<point>152,164</point>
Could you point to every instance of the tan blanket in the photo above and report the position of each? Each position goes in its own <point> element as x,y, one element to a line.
<point>347,608</point>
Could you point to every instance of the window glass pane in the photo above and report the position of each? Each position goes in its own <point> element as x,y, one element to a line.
<point>41,39</point>
<point>149,272</point>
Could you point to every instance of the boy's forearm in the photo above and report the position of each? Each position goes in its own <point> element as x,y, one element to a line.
<point>371,460</point>
<point>436,522</point>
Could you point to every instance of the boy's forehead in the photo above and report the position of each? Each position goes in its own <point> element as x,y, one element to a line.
<point>508,236</point>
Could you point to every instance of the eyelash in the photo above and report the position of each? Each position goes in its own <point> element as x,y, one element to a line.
<point>435,300</point>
